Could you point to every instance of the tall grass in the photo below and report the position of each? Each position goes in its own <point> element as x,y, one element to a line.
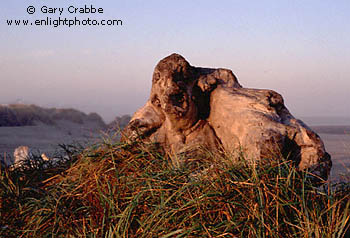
<point>134,190</point>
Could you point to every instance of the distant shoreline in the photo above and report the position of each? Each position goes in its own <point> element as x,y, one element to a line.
<point>336,130</point>
<point>326,121</point>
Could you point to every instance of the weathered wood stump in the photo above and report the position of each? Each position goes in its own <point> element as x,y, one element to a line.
<point>191,106</point>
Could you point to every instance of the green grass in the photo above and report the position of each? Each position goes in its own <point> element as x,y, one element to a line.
<point>134,190</point>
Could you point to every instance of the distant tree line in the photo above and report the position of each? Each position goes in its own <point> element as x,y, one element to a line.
<point>29,115</point>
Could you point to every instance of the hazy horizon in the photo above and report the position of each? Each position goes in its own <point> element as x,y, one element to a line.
<point>299,49</point>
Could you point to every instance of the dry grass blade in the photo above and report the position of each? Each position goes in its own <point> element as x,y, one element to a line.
<point>134,190</point>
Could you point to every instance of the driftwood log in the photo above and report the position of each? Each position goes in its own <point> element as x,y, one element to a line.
<point>192,106</point>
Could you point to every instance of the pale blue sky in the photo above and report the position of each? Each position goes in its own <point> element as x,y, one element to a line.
<point>299,48</point>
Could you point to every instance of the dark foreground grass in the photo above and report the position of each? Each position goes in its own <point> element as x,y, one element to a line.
<point>134,190</point>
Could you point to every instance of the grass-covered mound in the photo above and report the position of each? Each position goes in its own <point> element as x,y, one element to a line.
<point>134,190</point>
